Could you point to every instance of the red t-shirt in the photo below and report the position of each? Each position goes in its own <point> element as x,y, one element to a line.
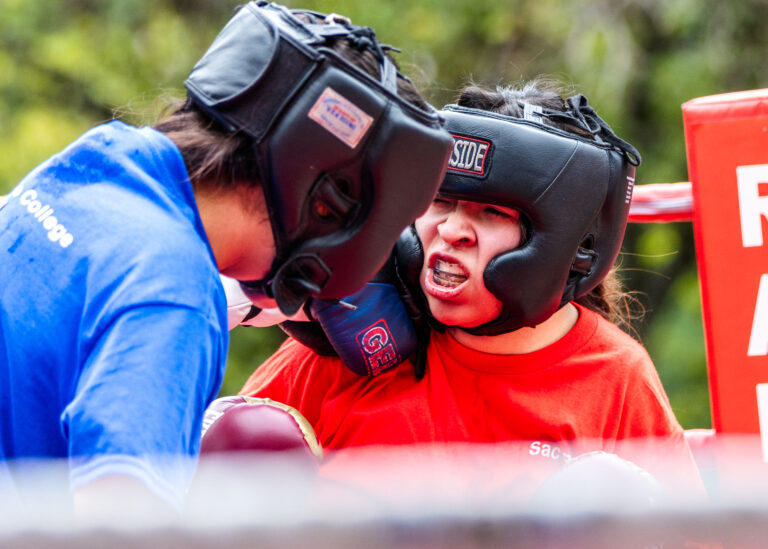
<point>590,390</point>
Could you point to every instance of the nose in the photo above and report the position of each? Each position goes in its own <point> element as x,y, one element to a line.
<point>456,229</point>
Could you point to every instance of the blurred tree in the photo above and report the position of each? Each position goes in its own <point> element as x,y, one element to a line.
<point>66,66</point>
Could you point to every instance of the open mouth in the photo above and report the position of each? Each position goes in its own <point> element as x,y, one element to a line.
<point>448,275</point>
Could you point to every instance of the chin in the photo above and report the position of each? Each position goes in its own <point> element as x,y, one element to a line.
<point>459,323</point>
<point>468,309</point>
<point>456,318</point>
<point>254,267</point>
<point>461,316</point>
<point>263,302</point>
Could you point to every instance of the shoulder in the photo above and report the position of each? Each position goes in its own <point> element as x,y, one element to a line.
<point>626,359</point>
<point>121,139</point>
<point>627,376</point>
<point>121,179</point>
<point>108,149</point>
<point>117,165</point>
<point>619,355</point>
<point>298,377</point>
<point>291,366</point>
<point>132,184</point>
<point>615,343</point>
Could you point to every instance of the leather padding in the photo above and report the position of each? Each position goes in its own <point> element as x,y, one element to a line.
<point>269,75</point>
<point>573,194</point>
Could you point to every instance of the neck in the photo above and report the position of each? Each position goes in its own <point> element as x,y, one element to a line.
<point>524,340</point>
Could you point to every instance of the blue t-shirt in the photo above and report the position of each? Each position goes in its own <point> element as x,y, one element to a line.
<point>113,324</point>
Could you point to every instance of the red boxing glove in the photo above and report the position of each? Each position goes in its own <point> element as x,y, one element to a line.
<point>241,423</point>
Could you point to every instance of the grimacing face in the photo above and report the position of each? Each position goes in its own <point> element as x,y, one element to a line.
<point>459,239</point>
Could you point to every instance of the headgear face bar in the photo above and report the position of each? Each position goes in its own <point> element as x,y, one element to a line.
<point>572,192</point>
<point>345,163</point>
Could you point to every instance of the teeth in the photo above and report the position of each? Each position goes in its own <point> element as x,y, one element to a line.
<point>449,268</point>
<point>447,274</point>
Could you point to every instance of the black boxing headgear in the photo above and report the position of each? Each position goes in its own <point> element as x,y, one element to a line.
<point>345,163</point>
<point>572,192</point>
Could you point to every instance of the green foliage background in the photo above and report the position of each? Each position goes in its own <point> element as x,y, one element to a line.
<point>66,66</point>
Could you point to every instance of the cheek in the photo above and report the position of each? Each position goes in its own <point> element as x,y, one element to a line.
<point>483,307</point>
<point>420,225</point>
<point>517,236</point>
<point>488,304</point>
<point>426,231</point>
<point>500,241</point>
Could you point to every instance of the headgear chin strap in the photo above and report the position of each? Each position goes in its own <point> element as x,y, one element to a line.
<point>573,194</point>
<point>345,163</point>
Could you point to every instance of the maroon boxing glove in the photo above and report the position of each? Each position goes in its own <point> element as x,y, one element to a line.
<point>254,452</point>
<point>241,423</point>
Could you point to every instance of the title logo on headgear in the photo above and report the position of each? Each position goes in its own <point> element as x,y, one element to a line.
<point>341,117</point>
<point>469,155</point>
<point>378,347</point>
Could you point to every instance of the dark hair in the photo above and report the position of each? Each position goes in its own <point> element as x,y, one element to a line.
<point>607,298</point>
<point>215,157</point>
<point>508,100</point>
<point>212,155</point>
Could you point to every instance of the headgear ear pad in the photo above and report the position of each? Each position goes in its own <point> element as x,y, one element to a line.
<point>345,163</point>
<point>573,194</point>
